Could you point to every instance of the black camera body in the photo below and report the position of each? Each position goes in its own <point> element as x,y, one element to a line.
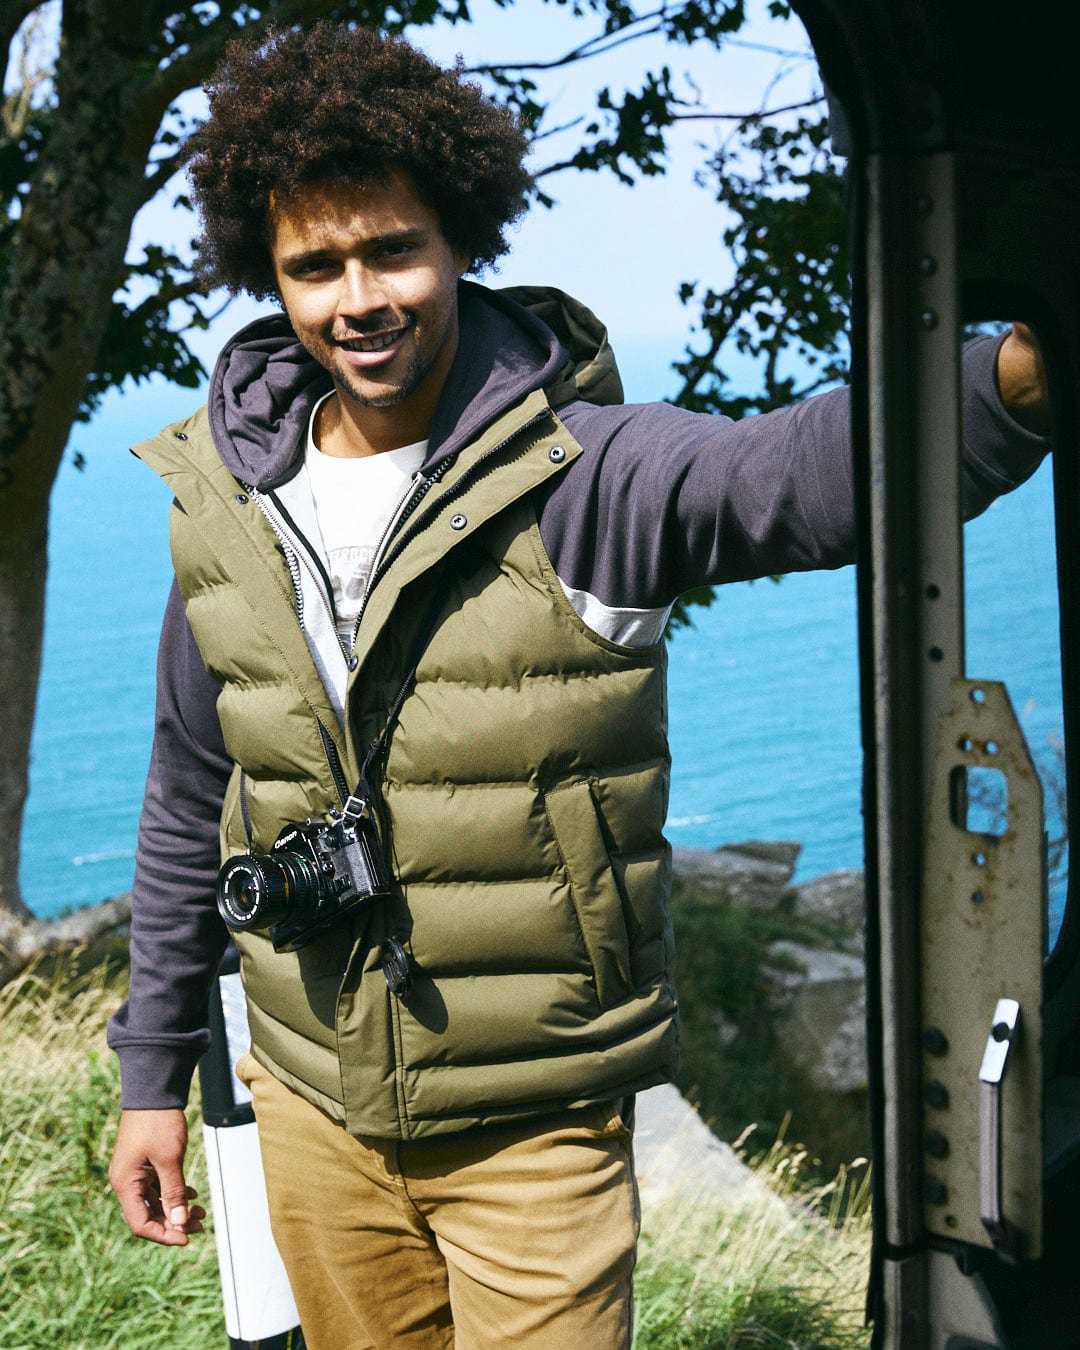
<point>314,873</point>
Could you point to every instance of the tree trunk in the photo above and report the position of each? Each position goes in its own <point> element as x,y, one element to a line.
<point>55,294</point>
<point>22,605</point>
<point>117,73</point>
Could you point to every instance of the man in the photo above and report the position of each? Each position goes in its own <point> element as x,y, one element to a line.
<point>424,560</point>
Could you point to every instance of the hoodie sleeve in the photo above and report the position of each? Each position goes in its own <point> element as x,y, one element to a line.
<point>665,500</point>
<point>177,936</point>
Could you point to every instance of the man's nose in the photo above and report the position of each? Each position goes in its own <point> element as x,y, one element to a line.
<point>360,293</point>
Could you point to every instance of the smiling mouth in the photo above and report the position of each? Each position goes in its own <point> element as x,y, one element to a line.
<point>377,343</point>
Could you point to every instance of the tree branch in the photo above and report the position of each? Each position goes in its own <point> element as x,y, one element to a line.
<point>12,14</point>
<point>22,943</point>
<point>163,170</point>
<point>177,290</point>
<point>16,105</point>
<point>804,55</point>
<point>602,43</point>
<point>742,118</point>
<point>192,67</point>
<point>555,131</point>
<point>589,48</point>
<point>759,116</point>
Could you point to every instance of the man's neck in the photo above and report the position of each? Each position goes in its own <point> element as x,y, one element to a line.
<point>345,429</point>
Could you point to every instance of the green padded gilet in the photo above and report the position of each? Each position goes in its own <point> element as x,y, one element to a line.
<point>523,800</point>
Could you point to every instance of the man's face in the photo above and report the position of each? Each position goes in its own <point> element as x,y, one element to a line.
<point>370,286</point>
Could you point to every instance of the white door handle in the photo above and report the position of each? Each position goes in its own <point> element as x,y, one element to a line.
<point>1004,1235</point>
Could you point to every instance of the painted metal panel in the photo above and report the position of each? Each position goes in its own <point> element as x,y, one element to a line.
<point>982,911</point>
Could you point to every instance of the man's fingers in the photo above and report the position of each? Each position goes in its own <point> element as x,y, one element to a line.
<point>170,1208</point>
<point>141,1207</point>
<point>196,1214</point>
<point>147,1174</point>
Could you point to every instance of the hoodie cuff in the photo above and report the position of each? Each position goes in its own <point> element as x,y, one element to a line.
<point>996,445</point>
<point>155,1077</point>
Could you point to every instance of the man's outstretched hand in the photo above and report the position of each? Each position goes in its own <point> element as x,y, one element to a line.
<point>1021,378</point>
<point>147,1174</point>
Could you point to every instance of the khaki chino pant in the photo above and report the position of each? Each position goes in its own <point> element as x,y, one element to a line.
<point>511,1236</point>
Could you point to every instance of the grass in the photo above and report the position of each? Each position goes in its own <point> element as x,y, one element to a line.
<point>790,1276</point>
<point>72,1277</point>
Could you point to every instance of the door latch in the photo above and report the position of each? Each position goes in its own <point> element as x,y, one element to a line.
<point>1005,1236</point>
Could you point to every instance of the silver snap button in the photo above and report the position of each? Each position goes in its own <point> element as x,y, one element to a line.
<point>240,499</point>
<point>458,522</point>
<point>181,435</point>
<point>354,661</point>
<point>556,454</point>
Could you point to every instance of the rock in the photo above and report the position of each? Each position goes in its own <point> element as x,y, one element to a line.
<point>838,898</point>
<point>677,1156</point>
<point>819,998</point>
<point>785,853</point>
<point>756,879</point>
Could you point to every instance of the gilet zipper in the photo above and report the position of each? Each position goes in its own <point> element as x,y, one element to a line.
<point>295,560</point>
<point>330,750</point>
<point>406,505</point>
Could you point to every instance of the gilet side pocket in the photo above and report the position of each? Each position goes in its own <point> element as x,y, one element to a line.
<point>575,823</point>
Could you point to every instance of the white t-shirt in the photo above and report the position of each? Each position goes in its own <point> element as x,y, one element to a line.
<point>355,500</point>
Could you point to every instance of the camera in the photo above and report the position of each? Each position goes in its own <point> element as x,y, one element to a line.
<point>313,873</point>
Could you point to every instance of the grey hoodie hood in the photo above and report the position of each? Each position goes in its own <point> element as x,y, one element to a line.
<point>511,342</point>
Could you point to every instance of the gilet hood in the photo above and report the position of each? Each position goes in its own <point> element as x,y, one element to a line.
<point>511,342</point>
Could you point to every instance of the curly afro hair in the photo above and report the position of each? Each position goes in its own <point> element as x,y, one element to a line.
<point>334,102</point>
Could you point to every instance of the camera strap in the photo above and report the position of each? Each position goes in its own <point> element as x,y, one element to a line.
<point>359,802</point>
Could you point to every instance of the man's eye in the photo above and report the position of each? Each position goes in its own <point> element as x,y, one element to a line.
<point>313,267</point>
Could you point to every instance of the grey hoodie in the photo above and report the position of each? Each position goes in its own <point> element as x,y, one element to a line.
<point>661,501</point>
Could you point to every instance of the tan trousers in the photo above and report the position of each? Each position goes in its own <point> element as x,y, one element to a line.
<point>516,1236</point>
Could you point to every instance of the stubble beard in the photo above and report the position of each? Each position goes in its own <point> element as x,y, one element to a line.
<point>418,365</point>
<point>408,384</point>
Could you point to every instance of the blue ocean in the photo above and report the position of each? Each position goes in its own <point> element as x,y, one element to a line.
<point>763,688</point>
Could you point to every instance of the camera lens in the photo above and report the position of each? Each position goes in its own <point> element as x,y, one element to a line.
<point>260,889</point>
<point>243,891</point>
